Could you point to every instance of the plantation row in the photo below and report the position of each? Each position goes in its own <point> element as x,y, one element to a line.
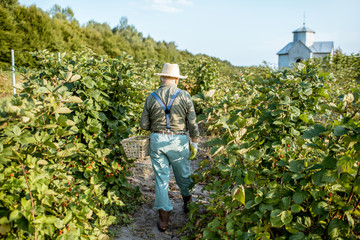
<point>62,171</point>
<point>283,161</point>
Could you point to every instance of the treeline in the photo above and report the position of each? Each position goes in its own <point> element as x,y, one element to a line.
<point>27,29</point>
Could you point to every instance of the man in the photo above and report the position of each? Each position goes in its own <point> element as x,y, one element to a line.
<point>169,114</point>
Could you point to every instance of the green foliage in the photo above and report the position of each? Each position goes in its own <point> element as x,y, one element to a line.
<point>9,4</point>
<point>285,164</point>
<point>7,36</point>
<point>63,174</point>
<point>205,75</point>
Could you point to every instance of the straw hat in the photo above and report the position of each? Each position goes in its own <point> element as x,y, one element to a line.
<point>170,70</point>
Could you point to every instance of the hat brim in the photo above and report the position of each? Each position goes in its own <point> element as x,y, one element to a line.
<point>169,75</point>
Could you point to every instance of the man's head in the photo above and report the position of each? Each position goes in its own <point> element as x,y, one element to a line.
<point>169,79</point>
<point>170,73</point>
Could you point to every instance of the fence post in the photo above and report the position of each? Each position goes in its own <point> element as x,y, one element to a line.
<point>13,70</point>
<point>59,57</point>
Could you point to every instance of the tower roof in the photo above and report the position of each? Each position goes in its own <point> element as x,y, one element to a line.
<point>303,29</point>
<point>317,47</point>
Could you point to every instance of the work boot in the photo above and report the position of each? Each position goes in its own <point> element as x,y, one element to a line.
<point>186,199</point>
<point>164,220</point>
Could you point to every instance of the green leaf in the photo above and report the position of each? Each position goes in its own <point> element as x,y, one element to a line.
<point>214,142</point>
<point>4,229</point>
<point>329,163</point>
<point>313,131</point>
<point>278,122</point>
<point>42,162</point>
<point>238,194</point>
<point>286,217</point>
<point>48,126</point>
<point>42,90</point>
<point>295,208</point>
<point>74,99</point>
<point>107,77</point>
<point>275,218</point>
<point>214,224</point>
<point>265,207</point>
<point>215,150</point>
<point>331,107</point>
<point>304,118</point>
<point>62,120</point>
<point>295,111</point>
<point>51,220</point>
<point>75,78</point>
<point>209,234</point>
<point>316,178</point>
<point>59,224</point>
<point>14,215</point>
<point>286,203</point>
<point>308,92</point>
<point>329,176</point>
<point>253,155</point>
<point>63,110</point>
<point>88,82</point>
<point>67,218</point>
<point>339,131</point>
<point>357,185</point>
<point>297,236</point>
<point>104,237</point>
<point>70,122</point>
<point>229,225</point>
<point>296,166</point>
<point>281,163</point>
<point>50,144</point>
<point>249,177</point>
<point>345,164</point>
<point>258,199</point>
<point>319,207</point>
<point>294,132</point>
<point>232,160</point>
<point>299,197</point>
<point>17,130</point>
<point>333,229</point>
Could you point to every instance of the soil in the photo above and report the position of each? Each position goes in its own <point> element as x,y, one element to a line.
<point>145,218</point>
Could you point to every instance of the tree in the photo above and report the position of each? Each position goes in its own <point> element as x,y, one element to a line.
<point>62,13</point>
<point>9,4</point>
<point>8,36</point>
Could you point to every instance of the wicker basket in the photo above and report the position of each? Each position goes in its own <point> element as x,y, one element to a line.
<point>136,147</point>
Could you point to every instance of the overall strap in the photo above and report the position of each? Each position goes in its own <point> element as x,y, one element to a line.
<point>166,108</point>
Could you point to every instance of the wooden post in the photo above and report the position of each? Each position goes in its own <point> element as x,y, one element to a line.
<point>13,70</point>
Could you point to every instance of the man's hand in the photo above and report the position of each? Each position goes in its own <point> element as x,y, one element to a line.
<point>193,149</point>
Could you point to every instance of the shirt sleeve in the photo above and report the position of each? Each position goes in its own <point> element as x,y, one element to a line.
<point>191,117</point>
<point>145,117</point>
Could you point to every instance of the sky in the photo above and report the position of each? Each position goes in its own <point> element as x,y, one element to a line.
<point>243,32</point>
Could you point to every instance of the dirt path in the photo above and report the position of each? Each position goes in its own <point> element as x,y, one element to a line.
<point>144,225</point>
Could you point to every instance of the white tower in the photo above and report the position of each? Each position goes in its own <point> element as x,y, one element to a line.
<point>305,35</point>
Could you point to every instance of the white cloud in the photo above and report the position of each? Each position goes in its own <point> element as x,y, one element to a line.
<point>164,8</point>
<point>168,6</point>
<point>184,2</point>
<point>162,2</point>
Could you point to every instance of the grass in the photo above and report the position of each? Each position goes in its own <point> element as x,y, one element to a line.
<point>6,88</point>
